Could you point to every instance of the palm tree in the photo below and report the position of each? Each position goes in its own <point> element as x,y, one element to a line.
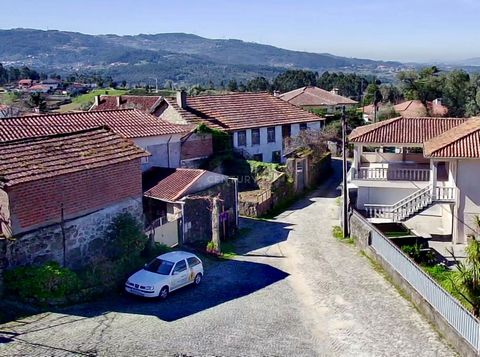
<point>466,279</point>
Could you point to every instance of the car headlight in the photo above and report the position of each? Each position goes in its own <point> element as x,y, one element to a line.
<point>149,288</point>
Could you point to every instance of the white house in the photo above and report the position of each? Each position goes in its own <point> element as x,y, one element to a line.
<point>419,171</point>
<point>256,122</point>
<point>318,98</point>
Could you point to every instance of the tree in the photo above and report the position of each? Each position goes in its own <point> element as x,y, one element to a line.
<point>37,101</point>
<point>456,92</point>
<point>293,79</point>
<point>259,84</point>
<point>373,94</point>
<point>466,278</point>
<point>232,85</point>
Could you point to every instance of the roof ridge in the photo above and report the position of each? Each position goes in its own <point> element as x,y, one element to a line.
<point>472,124</point>
<point>72,113</point>
<point>373,126</point>
<point>59,135</point>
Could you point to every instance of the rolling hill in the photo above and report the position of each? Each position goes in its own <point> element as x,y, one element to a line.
<point>181,58</point>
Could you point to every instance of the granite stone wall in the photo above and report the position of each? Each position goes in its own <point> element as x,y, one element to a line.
<point>84,239</point>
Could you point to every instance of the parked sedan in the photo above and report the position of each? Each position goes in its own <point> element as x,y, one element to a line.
<point>166,273</point>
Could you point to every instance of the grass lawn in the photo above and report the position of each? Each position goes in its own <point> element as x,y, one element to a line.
<point>84,99</point>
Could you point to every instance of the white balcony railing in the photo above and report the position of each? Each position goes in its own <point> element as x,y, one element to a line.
<point>387,173</point>
<point>411,204</point>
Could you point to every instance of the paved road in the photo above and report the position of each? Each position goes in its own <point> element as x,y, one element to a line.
<point>293,291</point>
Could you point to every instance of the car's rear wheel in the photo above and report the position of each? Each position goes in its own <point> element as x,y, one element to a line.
<point>198,279</point>
<point>163,293</point>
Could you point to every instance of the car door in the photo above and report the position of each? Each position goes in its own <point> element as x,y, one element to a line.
<point>179,274</point>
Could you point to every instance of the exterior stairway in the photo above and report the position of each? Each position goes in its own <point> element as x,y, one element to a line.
<point>411,205</point>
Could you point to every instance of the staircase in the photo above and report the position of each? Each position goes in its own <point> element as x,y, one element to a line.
<point>405,208</point>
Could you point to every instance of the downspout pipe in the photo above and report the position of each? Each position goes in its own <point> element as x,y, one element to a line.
<point>168,151</point>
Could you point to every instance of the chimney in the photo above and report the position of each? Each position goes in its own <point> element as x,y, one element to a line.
<point>276,93</point>
<point>97,100</point>
<point>119,100</point>
<point>335,91</point>
<point>182,99</point>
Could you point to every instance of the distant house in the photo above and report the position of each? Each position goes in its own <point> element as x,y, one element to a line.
<point>317,98</point>
<point>59,193</point>
<point>409,108</point>
<point>169,144</point>
<point>178,204</point>
<point>39,88</point>
<point>25,83</point>
<point>144,103</point>
<point>52,84</point>
<point>257,122</point>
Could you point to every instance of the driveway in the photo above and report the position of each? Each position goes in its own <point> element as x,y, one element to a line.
<point>292,290</point>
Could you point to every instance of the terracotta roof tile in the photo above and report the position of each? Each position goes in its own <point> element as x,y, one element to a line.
<point>175,185</point>
<point>411,109</point>
<point>247,110</point>
<point>403,130</point>
<point>41,157</point>
<point>314,96</point>
<point>144,103</point>
<point>131,123</point>
<point>462,141</point>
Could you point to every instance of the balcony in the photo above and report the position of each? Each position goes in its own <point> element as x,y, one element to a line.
<point>392,172</point>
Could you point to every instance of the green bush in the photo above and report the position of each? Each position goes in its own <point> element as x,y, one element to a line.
<point>127,235</point>
<point>43,283</point>
<point>155,249</point>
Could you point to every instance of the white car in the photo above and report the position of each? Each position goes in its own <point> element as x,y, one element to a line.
<point>166,273</point>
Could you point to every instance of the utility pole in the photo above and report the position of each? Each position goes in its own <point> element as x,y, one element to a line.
<point>344,175</point>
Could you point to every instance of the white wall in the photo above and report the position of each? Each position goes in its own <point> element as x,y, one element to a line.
<point>265,148</point>
<point>164,153</point>
<point>468,198</point>
<point>207,180</point>
<point>381,195</point>
<point>5,214</point>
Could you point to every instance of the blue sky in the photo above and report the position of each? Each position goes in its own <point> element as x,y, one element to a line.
<point>421,30</point>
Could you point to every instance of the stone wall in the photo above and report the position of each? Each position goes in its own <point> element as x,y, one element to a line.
<point>84,239</point>
<point>197,213</point>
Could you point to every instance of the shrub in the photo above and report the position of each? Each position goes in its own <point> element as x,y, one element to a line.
<point>155,249</point>
<point>127,235</point>
<point>43,283</point>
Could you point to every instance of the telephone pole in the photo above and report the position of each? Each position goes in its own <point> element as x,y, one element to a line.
<point>344,175</point>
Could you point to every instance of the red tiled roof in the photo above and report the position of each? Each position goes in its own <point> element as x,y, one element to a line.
<point>131,123</point>
<point>462,141</point>
<point>411,109</point>
<point>245,110</point>
<point>41,157</point>
<point>314,96</point>
<point>142,102</point>
<point>403,130</point>
<point>175,185</point>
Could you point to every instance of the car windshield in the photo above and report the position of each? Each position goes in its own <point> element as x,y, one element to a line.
<point>159,266</point>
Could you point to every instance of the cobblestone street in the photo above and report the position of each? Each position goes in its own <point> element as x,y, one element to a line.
<point>292,290</point>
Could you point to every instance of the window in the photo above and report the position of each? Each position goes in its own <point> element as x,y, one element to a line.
<point>303,126</point>
<point>192,261</point>
<point>242,138</point>
<point>159,266</point>
<point>181,266</point>
<point>255,136</point>
<point>271,134</point>
<point>258,157</point>
<point>276,157</point>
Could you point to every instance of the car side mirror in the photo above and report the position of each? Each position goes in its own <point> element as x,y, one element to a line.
<point>174,272</point>
<point>145,265</point>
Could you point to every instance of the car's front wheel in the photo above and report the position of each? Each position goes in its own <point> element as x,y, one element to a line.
<point>163,293</point>
<point>198,279</point>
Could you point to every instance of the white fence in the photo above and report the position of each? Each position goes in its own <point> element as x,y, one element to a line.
<point>455,314</point>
